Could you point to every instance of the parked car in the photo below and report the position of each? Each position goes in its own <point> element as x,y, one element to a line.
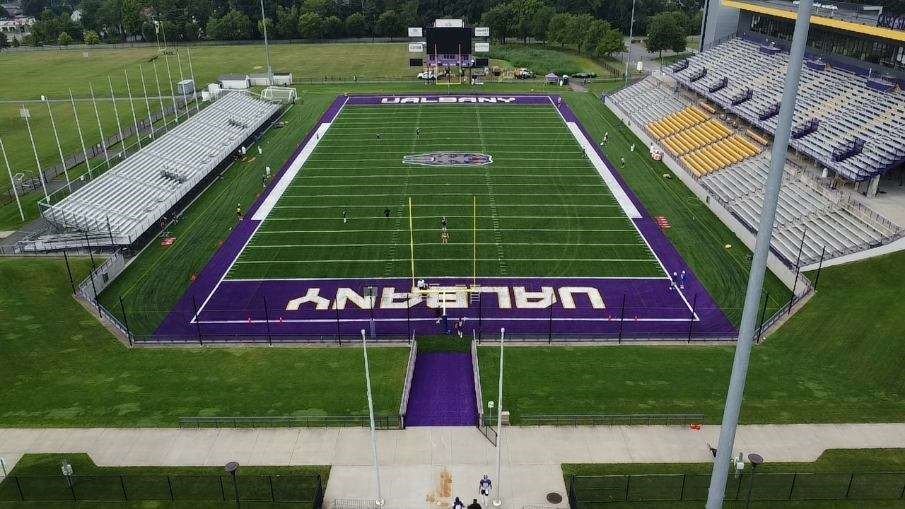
<point>427,75</point>
<point>523,74</point>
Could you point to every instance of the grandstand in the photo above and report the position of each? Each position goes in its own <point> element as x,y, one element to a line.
<point>810,216</point>
<point>122,204</point>
<point>846,120</point>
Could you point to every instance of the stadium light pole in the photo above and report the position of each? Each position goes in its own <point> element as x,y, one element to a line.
<point>364,349</point>
<point>628,53</point>
<point>498,500</point>
<point>266,46</point>
<point>132,107</point>
<point>56,136</point>
<point>720,472</point>
<point>100,129</point>
<point>9,171</point>
<point>78,127</point>
<point>25,114</point>
<point>144,89</point>
<point>119,125</point>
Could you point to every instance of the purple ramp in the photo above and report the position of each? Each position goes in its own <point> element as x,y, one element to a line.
<point>442,391</point>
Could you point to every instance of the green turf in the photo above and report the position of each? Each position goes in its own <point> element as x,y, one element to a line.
<point>540,208</point>
<point>695,231</point>
<point>187,482</point>
<point>837,360</point>
<point>833,470</point>
<point>62,368</point>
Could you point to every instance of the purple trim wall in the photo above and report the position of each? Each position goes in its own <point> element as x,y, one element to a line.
<point>653,307</point>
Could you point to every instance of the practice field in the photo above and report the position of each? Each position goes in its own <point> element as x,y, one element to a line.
<point>505,195</point>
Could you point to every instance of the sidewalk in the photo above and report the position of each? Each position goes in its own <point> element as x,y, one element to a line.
<point>413,459</point>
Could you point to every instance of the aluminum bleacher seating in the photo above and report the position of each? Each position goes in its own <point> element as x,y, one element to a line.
<point>846,107</point>
<point>127,200</point>
<point>733,168</point>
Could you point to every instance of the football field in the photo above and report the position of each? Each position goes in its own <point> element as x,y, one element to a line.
<point>503,206</point>
<point>534,207</point>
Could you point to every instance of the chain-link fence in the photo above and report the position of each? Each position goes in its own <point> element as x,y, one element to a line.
<point>302,489</point>
<point>597,491</point>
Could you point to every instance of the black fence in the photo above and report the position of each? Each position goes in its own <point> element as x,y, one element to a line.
<point>300,489</point>
<point>380,422</point>
<point>613,420</point>
<point>598,491</point>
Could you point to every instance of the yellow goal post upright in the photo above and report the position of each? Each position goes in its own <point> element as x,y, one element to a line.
<point>436,290</point>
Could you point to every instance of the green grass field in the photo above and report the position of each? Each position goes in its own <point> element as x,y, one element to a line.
<point>62,368</point>
<point>106,483</point>
<point>837,360</point>
<point>540,208</point>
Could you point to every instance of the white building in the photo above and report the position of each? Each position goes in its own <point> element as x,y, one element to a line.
<point>17,28</point>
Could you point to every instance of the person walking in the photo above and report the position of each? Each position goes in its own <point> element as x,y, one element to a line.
<point>458,504</point>
<point>474,504</point>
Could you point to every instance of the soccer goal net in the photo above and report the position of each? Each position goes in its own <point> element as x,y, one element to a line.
<point>283,95</point>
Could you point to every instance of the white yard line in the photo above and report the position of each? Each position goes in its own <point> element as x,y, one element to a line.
<point>374,260</point>
<point>279,232</point>
<point>595,244</point>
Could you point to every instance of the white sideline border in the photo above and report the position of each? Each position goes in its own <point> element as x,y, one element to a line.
<point>288,176</point>
<point>618,192</point>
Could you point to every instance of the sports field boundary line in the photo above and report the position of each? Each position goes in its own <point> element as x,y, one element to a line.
<point>216,273</point>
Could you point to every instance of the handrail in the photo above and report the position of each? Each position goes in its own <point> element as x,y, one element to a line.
<point>476,372</point>
<point>407,386</point>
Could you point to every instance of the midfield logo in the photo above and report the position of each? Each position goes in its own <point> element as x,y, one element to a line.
<point>447,99</point>
<point>516,297</point>
<point>448,159</point>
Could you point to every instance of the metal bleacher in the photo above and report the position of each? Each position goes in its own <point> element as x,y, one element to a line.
<point>127,200</point>
<point>734,169</point>
<point>844,105</point>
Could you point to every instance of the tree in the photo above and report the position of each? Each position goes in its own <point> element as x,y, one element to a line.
<point>500,21</point>
<point>558,29</point>
<point>232,26</point>
<point>91,37</point>
<point>611,42</point>
<point>540,22</point>
<point>595,32</point>
<point>333,27</point>
<point>319,7</point>
<point>311,26</point>
<point>3,41</point>
<point>34,7</point>
<point>356,25</point>
<point>389,24</point>
<point>579,25</point>
<point>260,26</point>
<point>64,39</point>
<point>664,33</point>
<point>287,24</point>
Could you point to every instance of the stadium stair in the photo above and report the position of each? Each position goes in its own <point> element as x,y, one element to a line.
<point>443,391</point>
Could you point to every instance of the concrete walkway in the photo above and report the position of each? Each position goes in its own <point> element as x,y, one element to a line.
<point>413,460</point>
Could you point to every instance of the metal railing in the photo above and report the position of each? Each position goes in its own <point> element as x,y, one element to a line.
<point>389,421</point>
<point>407,386</point>
<point>306,490</point>
<point>612,420</point>
<point>593,491</point>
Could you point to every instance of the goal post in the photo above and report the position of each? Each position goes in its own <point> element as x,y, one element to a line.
<point>284,95</point>
<point>474,247</point>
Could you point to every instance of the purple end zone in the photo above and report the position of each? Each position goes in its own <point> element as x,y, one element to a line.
<point>640,308</point>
